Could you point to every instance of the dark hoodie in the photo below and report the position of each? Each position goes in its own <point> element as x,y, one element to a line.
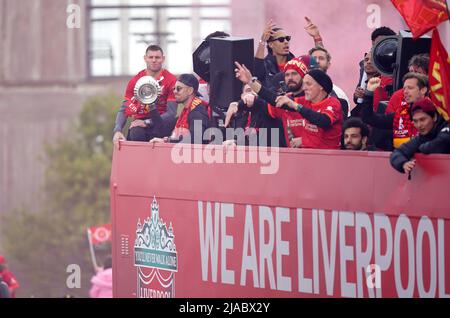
<point>436,141</point>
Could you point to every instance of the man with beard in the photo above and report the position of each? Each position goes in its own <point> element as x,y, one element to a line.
<point>191,111</point>
<point>355,134</point>
<point>310,121</point>
<point>294,71</point>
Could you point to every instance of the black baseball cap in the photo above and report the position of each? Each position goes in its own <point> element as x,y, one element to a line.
<point>191,81</point>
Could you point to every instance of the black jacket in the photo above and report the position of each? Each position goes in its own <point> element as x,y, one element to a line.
<point>201,116</point>
<point>165,123</point>
<point>260,118</point>
<point>382,121</point>
<point>436,141</point>
<point>266,69</point>
<point>382,124</point>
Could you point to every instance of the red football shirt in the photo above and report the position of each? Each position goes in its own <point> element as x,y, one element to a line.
<point>403,127</point>
<point>133,108</point>
<point>312,135</point>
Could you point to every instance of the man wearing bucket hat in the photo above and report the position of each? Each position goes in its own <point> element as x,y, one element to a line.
<point>434,136</point>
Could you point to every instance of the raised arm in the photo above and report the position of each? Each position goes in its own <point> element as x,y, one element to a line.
<point>314,32</point>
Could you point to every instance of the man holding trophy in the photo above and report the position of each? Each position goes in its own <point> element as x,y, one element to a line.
<point>151,86</point>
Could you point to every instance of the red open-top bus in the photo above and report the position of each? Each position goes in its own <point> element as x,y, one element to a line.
<point>188,222</point>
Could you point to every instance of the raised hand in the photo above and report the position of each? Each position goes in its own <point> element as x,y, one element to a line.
<point>243,73</point>
<point>373,84</point>
<point>268,31</point>
<point>311,28</point>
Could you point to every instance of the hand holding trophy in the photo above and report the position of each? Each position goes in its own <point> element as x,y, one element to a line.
<point>147,91</point>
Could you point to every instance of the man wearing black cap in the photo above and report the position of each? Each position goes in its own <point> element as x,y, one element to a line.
<point>318,124</point>
<point>191,112</point>
<point>322,113</point>
<point>434,136</point>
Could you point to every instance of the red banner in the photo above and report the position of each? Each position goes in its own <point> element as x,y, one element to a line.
<point>319,224</point>
<point>100,234</point>
<point>422,15</point>
<point>439,75</point>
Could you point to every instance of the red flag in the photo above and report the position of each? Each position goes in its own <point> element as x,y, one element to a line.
<point>422,16</point>
<point>439,75</point>
<point>100,234</point>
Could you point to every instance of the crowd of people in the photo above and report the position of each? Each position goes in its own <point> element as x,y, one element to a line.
<point>295,95</point>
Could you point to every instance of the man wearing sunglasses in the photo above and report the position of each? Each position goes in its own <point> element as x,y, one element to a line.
<point>277,42</point>
<point>192,112</point>
<point>141,127</point>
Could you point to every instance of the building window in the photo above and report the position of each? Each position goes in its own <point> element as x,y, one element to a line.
<point>121,30</point>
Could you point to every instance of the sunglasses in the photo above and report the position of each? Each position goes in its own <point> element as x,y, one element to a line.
<point>178,88</point>
<point>282,39</point>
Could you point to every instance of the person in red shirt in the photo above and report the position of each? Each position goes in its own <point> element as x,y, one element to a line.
<point>8,277</point>
<point>140,129</point>
<point>398,119</point>
<point>310,121</point>
<point>321,115</point>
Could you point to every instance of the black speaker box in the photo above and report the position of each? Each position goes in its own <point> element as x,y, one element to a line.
<point>407,48</point>
<point>201,59</point>
<point>225,88</point>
